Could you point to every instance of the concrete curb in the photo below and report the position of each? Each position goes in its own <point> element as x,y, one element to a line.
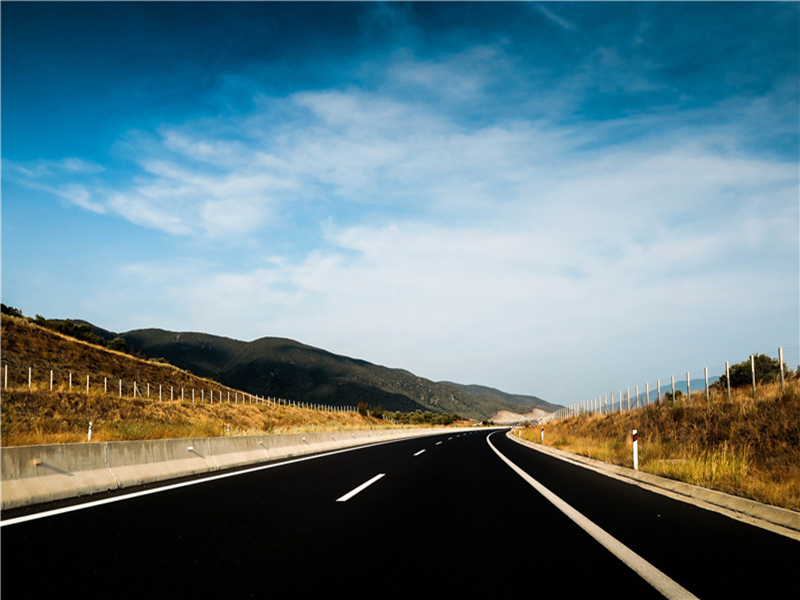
<point>774,515</point>
<point>36,474</point>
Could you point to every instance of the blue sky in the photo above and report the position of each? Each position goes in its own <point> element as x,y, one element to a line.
<point>559,199</point>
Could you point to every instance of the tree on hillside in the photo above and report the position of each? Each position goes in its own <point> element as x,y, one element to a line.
<point>118,344</point>
<point>768,370</point>
<point>10,310</point>
<point>74,330</point>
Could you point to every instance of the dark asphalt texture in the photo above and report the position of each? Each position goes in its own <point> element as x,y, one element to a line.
<point>453,519</point>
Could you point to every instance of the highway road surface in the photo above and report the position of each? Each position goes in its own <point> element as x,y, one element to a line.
<point>425,515</point>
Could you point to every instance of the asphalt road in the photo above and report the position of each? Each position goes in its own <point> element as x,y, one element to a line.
<point>439,514</point>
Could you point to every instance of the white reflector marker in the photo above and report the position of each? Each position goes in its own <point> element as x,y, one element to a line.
<point>360,488</point>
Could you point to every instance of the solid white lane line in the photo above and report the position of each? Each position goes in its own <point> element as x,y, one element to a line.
<point>418,453</point>
<point>360,488</point>
<point>668,588</point>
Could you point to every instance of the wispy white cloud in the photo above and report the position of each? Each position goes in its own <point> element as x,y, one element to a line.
<point>502,238</point>
<point>560,21</point>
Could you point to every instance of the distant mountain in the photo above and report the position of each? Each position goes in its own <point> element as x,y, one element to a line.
<point>524,403</point>
<point>284,368</point>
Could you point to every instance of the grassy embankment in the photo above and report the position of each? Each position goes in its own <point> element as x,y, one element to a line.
<point>40,416</point>
<point>749,447</point>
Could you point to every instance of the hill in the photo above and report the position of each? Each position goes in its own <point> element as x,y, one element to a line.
<point>523,403</point>
<point>289,369</point>
<point>284,368</point>
<point>47,399</point>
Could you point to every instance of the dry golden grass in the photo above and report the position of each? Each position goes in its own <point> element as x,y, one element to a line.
<point>37,415</point>
<point>747,446</point>
<point>42,417</point>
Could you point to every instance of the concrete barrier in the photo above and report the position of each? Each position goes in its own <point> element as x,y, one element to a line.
<point>36,474</point>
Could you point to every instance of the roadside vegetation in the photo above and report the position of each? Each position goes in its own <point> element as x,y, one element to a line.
<point>78,331</point>
<point>62,417</point>
<point>37,415</point>
<point>746,446</point>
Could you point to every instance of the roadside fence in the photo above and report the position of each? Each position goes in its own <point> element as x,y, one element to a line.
<point>655,392</point>
<point>135,389</point>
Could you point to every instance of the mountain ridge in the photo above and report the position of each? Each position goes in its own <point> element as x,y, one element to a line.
<point>286,368</point>
<point>283,367</point>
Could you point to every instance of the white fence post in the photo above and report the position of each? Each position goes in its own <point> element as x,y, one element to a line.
<point>753,371</point>
<point>705,371</point>
<point>30,376</point>
<point>728,377</point>
<point>780,360</point>
<point>688,388</point>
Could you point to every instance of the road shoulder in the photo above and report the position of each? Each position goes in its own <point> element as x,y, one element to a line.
<point>778,520</point>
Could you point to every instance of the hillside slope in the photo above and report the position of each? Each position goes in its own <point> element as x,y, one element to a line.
<point>289,369</point>
<point>280,367</point>
<point>523,403</point>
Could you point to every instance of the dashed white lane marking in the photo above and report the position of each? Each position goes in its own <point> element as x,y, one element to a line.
<point>668,588</point>
<point>360,488</point>
<point>437,443</point>
<point>418,453</point>
<point>166,488</point>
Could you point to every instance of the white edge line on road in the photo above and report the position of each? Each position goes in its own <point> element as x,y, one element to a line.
<point>360,488</point>
<point>420,452</point>
<point>660,581</point>
<point>165,488</point>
